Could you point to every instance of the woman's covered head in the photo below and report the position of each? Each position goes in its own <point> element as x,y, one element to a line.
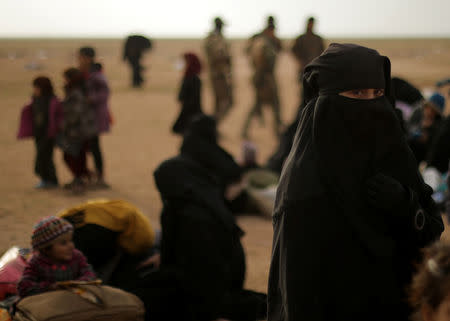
<point>43,87</point>
<point>203,126</point>
<point>430,289</point>
<point>349,70</point>
<point>193,64</point>
<point>73,78</point>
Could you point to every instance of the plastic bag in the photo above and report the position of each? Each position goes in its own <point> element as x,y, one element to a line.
<point>12,264</point>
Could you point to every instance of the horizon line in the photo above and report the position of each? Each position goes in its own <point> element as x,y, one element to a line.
<point>175,37</point>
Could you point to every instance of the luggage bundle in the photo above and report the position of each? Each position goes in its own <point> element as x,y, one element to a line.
<point>81,301</point>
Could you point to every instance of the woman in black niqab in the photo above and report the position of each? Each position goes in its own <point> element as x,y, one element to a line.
<point>351,211</point>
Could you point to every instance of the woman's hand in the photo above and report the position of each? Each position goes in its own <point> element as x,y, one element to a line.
<point>233,190</point>
<point>387,194</point>
<point>154,260</point>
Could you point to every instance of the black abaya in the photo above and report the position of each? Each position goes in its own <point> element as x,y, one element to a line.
<point>334,256</point>
<point>201,245</point>
<point>190,99</point>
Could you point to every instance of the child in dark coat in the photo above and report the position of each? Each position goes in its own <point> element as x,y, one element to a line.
<point>56,259</point>
<point>41,119</point>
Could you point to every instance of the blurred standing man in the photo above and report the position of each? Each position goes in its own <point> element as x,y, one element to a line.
<point>219,61</point>
<point>97,92</point>
<point>263,50</point>
<point>307,47</point>
<point>135,46</point>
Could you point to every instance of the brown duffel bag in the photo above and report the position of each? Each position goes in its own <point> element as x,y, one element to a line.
<point>81,303</point>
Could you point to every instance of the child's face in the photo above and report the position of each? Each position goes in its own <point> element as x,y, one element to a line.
<point>62,248</point>
<point>36,91</point>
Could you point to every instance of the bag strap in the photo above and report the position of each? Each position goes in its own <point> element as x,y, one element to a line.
<point>84,289</point>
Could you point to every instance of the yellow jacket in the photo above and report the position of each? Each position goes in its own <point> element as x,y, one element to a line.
<point>136,234</point>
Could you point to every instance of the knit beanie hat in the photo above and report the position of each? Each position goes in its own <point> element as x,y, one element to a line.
<point>437,101</point>
<point>47,230</point>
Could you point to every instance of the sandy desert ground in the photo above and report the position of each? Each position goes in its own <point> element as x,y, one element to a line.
<point>141,138</point>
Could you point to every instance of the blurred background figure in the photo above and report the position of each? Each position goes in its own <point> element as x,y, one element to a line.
<point>421,135</point>
<point>219,62</point>
<point>263,50</point>
<point>97,95</point>
<point>409,100</point>
<point>135,46</point>
<point>190,93</point>
<point>79,126</point>
<point>307,47</point>
<point>41,119</point>
<point>429,292</point>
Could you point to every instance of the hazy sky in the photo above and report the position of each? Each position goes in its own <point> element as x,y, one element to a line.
<point>192,18</point>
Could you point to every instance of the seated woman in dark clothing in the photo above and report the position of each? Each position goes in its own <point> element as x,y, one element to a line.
<point>190,93</point>
<point>422,135</point>
<point>201,245</point>
<point>200,144</point>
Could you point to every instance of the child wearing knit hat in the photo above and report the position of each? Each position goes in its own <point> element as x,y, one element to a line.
<point>55,259</point>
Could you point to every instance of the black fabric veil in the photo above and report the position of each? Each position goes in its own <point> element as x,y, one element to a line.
<point>333,255</point>
<point>353,139</point>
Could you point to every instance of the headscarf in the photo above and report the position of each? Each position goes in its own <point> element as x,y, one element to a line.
<point>75,80</point>
<point>203,126</point>
<point>200,144</point>
<point>194,184</point>
<point>344,67</point>
<point>193,64</point>
<point>341,142</point>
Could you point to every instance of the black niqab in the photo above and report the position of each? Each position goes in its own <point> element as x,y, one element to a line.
<point>200,144</point>
<point>334,256</point>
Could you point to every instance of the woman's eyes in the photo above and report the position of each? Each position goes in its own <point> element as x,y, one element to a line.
<point>365,93</point>
<point>358,92</point>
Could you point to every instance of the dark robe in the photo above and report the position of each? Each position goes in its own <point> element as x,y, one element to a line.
<point>334,256</point>
<point>201,245</point>
<point>405,92</point>
<point>190,99</point>
<point>44,166</point>
<point>200,144</point>
<point>439,152</point>
<point>276,161</point>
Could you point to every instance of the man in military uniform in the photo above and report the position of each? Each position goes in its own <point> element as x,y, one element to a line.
<point>307,47</point>
<point>263,49</point>
<point>219,61</point>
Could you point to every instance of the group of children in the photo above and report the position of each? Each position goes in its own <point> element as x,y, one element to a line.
<point>73,124</point>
